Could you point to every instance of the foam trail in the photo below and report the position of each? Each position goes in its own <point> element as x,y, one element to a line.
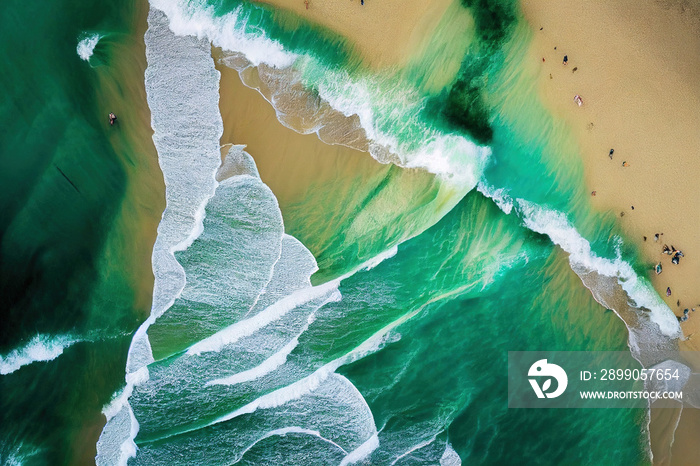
<point>247,327</point>
<point>362,452</point>
<point>387,115</point>
<point>293,430</point>
<point>334,410</point>
<point>270,364</point>
<point>279,309</point>
<point>199,19</point>
<point>182,91</point>
<point>311,382</point>
<point>555,225</point>
<point>86,45</point>
<point>41,348</point>
<point>416,447</point>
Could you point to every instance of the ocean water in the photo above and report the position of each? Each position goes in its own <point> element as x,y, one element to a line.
<point>370,331</point>
<point>68,225</point>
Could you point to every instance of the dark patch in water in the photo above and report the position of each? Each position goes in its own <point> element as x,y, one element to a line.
<point>463,107</point>
<point>492,19</point>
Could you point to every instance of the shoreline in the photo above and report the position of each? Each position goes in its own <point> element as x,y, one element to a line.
<point>384,33</point>
<point>651,128</point>
<point>323,189</point>
<point>640,99</point>
<point>131,241</point>
<point>123,91</point>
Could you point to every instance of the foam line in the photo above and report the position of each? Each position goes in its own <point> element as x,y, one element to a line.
<point>181,82</point>
<point>362,452</point>
<point>454,158</point>
<point>269,365</point>
<point>247,327</point>
<point>41,348</point>
<point>293,430</point>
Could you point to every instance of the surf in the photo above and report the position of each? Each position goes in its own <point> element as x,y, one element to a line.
<point>41,348</point>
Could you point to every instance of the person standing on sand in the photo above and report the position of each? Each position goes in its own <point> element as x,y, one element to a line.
<point>566,59</point>
<point>306,2</point>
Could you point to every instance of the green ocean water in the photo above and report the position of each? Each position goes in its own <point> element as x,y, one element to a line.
<point>65,281</point>
<point>401,359</point>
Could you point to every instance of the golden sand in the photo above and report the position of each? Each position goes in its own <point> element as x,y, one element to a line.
<point>384,32</point>
<point>634,64</point>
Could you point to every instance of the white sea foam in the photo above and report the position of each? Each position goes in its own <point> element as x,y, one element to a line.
<point>383,112</point>
<point>183,221</point>
<point>40,348</point>
<point>450,457</point>
<point>413,448</point>
<point>249,326</point>
<point>557,227</point>
<point>390,118</point>
<point>381,257</point>
<point>362,452</point>
<point>293,430</point>
<point>182,91</point>
<point>196,18</point>
<point>311,382</point>
<point>87,44</point>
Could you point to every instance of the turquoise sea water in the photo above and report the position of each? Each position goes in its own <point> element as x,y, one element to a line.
<point>267,344</point>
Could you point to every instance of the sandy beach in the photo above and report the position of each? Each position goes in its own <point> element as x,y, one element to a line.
<point>634,66</point>
<point>640,99</point>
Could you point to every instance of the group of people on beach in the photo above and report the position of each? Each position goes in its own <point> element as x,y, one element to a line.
<point>685,315</point>
<point>676,255</point>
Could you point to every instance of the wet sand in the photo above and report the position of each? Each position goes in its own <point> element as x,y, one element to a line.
<point>130,243</point>
<point>383,32</point>
<point>338,201</point>
<point>636,75</point>
<point>634,65</point>
<point>122,91</point>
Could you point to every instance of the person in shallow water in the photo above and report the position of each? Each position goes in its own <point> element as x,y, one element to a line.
<point>112,118</point>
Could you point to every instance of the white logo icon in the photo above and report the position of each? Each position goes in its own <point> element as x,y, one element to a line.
<point>542,369</point>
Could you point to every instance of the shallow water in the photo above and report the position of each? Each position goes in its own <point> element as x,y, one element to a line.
<point>70,229</point>
<point>373,328</point>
